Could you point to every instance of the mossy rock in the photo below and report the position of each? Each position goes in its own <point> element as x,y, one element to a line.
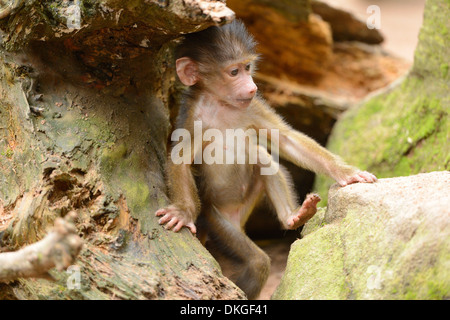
<point>388,240</point>
<point>404,131</point>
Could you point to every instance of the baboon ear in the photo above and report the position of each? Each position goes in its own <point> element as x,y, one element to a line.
<point>187,71</point>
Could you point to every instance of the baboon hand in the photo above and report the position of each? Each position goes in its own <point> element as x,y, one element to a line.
<point>359,176</point>
<point>175,218</point>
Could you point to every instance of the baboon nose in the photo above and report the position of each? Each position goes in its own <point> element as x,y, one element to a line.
<point>252,90</point>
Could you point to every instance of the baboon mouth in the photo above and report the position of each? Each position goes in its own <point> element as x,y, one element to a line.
<point>245,100</point>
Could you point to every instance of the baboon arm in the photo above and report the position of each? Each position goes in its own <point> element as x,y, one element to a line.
<point>297,147</point>
<point>182,189</point>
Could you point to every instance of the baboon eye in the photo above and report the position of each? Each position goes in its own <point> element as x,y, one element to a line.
<point>247,67</point>
<point>234,72</point>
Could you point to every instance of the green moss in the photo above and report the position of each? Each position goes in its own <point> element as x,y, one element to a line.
<point>400,133</point>
<point>405,131</point>
<point>313,252</point>
<point>437,291</point>
<point>88,8</point>
<point>431,283</point>
<point>444,70</point>
<point>122,170</point>
<point>316,222</point>
<point>8,153</point>
<point>433,50</point>
<point>138,191</point>
<point>368,253</point>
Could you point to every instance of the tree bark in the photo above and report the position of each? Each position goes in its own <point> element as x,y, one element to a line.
<point>84,123</point>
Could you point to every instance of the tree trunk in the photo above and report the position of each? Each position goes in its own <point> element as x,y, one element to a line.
<point>84,121</point>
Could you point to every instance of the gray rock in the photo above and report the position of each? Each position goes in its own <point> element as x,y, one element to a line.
<point>388,240</point>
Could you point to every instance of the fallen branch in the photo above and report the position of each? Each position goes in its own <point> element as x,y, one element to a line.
<point>58,249</point>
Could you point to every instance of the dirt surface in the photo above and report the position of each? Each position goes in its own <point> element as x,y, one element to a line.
<point>400,24</point>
